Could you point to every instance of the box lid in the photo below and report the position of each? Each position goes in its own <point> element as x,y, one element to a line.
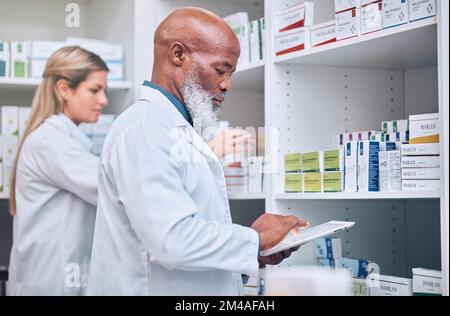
<point>427,272</point>
<point>390,279</point>
<point>421,117</point>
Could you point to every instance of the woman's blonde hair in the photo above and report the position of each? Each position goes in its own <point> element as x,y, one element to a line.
<point>73,64</point>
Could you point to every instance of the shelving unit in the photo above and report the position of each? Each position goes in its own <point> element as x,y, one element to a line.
<point>360,196</point>
<point>20,84</point>
<point>247,196</point>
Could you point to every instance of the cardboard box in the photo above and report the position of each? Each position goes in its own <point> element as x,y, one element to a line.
<point>333,160</point>
<point>387,126</point>
<point>19,59</point>
<point>10,145</point>
<point>368,166</point>
<point>421,185</point>
<point>343,5</point>
<point>421,173</point>
<point>255,42</point>
<point>40,53</point>
<point>24,114</point>
<point>360,287</point>
<point>384,285</point>
<point>421,162</point>
<point>4,59</point>
<point>237,19</point>
<point>388,146</point>
<point>395,12</point>
<point>312,182</point>
<point>295,17</point>
<point>424,128</point>
<point>348,24</point>
<point>312,161</point>
<point>328,262</point>
<point>243,34</point>
<point>330,248</point>
<point>292,41</point>
<point>10,120</point>
<point>351,166</point>
<point>255,174</point>
<point>390,171</point>
<point>372,17</point>
<point>420,149</point>
<point>323,33</point>
<point>427,282</point>
<point>421,9</point>
<point>293,183</point>
<point>293,162</point>
<point>333,181</point>
<point>357,267</point>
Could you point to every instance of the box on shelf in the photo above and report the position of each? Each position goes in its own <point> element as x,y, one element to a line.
<point>10,120</point>
<point>399,137</point>
<point>343,5</point>
<point>383,285</point>
<point>255,174</point>
<point>360,287</point>
<point>424,128</point>
<point>333,181</point>
<point>312,182</point>
<point>295,17</point>
<point>390,171</point>
<point>312,161</point>
<point>293,162</point>
<point>372,17</point>
<point>243,34</point>
<point>351,167</point>
<point>420,149</point>
<point>323,33</point>
<point>395,12</point>
<point>421,173</point>
<point>40,53</point>
<point>328,262</point>
<point>348,24</point>
<point>237,19</point>
<point>400,125</point>
<point>333,160</point>
<point>24,113</point>
<point>357,267</point>
<point>256,49</point>
<point>2,178</point>
<point>427,282</point>
<point>292,41</point>
<point>10,144</point>
<point>4,59</point>
<point>421,162</point>
<point>387,146</point>
<point>330,248</point>
<point>293,182</point>
<point>368,166</point>
<point>421,9</point>
<point>20,52</point>
<point>421,185</point>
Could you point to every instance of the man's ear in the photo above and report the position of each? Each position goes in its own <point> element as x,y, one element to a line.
<point>178,53</point>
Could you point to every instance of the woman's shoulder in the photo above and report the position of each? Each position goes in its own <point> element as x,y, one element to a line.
<point>48,132</point>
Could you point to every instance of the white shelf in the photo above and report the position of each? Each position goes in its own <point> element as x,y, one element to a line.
<point>359,196</point>
<point>246,196</point>
<point>249,77</point>
<point>34,83</point>
<point>410,46</point>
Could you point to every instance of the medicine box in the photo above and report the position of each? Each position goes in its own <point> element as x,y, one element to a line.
<point>330,248</point>
<point>421,162</point>
<point>421,9</point>
<point>420,149</point>
<point>390,171</point>
<point>351,165</point>
<point>372,17</point>
<point>293,183</point>
<point>312,182</point>
<point>421,173</point>
<point>342,5</point>
<point>292,41</point>
<point>395,12</point>
<point>427,282</point>
<point>312,161</point>
<point>388,146</point>
<point>255,174</point>
<point>237,19</point>
<point>357,267</point>
<point>40,53</point>
<point>348,24</point>
<point>328,262</point>
<point>383,285</point>
<point>333,181</point>
<point>293,162</point>
<point>24,114</point>
<point>4,59</point>
<point>421,185</point>
<point>19,59</point>
<point>424,128</point>
<point>360,287</point>
<point>323,33</point>
<point>10,120</point>
<point>295,17</point>
<point>255,41</point>
<point>368,166</point>
<point>333,160</point>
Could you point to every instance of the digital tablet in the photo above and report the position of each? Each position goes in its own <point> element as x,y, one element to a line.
<point>296,238</point>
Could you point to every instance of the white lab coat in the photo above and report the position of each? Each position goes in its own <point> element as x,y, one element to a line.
<point>56,194</point>
<point>163,225</point>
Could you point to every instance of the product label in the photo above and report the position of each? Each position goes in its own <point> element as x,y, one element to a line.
<point>332,160</point>
<point>293,182</point>
<point>311,161</point>
<point>332,182</point>
<point>293,162</point>
<point>312,182</point>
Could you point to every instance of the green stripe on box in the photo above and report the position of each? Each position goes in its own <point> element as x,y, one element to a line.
<point>331,160</point>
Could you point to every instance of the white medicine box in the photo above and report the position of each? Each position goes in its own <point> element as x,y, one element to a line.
<point>10,120</point>
<point>348,23</point>
<point>395,12</point>
<point>323,33</point>
<point>295,17</point>
<point>292,41</point>
<point>330,248</point>
<point>421,9</point>
<point>372,17</point>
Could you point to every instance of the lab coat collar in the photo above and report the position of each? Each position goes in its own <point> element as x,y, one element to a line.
<point>61,121</point>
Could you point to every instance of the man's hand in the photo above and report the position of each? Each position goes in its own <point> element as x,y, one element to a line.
<point>231,141</point>
<point>271,230</point>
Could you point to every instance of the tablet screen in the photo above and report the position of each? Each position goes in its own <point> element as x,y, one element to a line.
<point>295,238</point>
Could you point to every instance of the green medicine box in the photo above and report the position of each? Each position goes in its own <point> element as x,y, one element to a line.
<point>312,182</point>
<point>293,162</point>
<point>293,182</point>
<point>312,161</point>
<point>333,181</point>
<point>333,160</point>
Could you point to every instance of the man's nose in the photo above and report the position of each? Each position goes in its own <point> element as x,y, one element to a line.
<point>225,85</point>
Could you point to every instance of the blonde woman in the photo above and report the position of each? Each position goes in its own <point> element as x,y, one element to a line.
<point>53,193</point>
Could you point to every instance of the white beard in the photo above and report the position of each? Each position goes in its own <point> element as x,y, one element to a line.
<point>199,103</point>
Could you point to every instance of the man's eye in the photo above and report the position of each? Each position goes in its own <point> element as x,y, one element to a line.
<point>220,72</point>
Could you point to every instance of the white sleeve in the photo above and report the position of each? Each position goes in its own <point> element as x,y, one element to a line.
<point>164,216</point>
<point>69,166</point>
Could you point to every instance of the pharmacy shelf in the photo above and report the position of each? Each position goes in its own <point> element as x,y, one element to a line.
<point>410,46</point>
<point>247,196</point>
<point>359,196</point>
<point>34,83</point>
<point>249,77</point>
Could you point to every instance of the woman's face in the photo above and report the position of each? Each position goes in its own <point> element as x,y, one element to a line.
<point>85,103</point>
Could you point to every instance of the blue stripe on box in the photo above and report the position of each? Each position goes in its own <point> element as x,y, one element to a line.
<point>329,246</point>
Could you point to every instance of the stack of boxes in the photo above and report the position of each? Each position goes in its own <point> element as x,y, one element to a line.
<point>293,178</point>
<point>245,176</point>
<point>251,36</point>
<point>420,160</point>
<point>312,168</point>
<point>383,285</point>
<point>328,251</point>
<point>292,28</point>
<point>426,282</point>
<point>333,175</point>
<point>347,18</point>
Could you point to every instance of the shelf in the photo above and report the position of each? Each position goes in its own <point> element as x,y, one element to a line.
<point>359,196</point>
<point>12,83</point>
<point>246,196</point>
<point>249,77</point>
<point>410,46</point>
